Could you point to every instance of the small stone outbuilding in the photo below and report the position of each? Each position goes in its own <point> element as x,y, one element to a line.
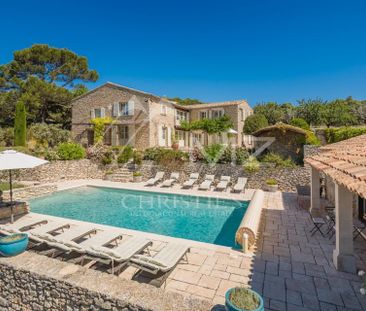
<point>286,140</point>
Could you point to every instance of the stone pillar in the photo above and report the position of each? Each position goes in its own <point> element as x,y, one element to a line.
<point>343,258</point>
<point>315,192</point>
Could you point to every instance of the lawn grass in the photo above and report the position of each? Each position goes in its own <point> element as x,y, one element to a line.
<point>4,186</point>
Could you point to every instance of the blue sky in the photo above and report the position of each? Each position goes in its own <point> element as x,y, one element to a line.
<point>211,50</point>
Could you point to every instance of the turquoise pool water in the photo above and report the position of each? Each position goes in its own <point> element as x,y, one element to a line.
<point>202,219</point>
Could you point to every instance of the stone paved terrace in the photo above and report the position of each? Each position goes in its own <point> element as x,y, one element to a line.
<point>290,268</point>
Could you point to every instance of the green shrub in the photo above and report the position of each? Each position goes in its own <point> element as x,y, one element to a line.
<point>107,157</point>
<point>254,123</point>
<point>271,182</point>
<point>334,135</point>
<point>171,157</point>
<point>227,155</point>
<point>4,186</point>
<point>70,151</point>
<point>48,135</point>
<point>51,155</point>
<point>6,136</point>
<point>213,153</point>
<point>137,157</point>
<point>301,123</point>
<point>137,174</point>
<point>99,128</point>
<point>125,155</point>
<point>164,156</point>
<point>277,160</point>
<point>251,165</point>
<point>151,153</point>
<point>241,155</point>
<point>312,139</point>
<point>20,124</point>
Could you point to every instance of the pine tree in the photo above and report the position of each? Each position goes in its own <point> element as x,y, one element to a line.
<point>20,124</point>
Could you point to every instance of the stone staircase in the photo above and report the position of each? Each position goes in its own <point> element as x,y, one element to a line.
<point>122,174</point>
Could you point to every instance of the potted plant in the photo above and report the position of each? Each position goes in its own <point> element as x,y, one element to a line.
<point>243,299</point>
<point>13,244</point>
<point>137,177</point>
<point>271,185</point>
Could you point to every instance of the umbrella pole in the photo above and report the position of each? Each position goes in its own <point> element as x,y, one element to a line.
<point>11,196</point>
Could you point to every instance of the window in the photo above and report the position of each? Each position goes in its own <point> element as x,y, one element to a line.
<point>97,112</point>
<point>180,135</point>
<point>242,114</point>
<point>203,115</point>
<point>182,115</point>
<point>123,109</point>
<point>217,113</point>
<point>163,133</point>
<point>163,110</point>
<point>197,139</point>
<point>124,133</point>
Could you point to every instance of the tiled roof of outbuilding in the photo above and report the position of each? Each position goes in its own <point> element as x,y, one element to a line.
<point>345,163</point>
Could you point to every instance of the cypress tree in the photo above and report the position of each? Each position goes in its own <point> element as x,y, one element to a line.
<point>20,124</point>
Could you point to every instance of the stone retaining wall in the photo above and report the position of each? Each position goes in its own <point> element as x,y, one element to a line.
<point>59,170</point>
<point>30,192</point>
<point>19,208</point>
<point>287,178</point>
<point>25,284</point>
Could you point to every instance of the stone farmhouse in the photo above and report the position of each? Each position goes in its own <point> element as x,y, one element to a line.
<point>144,120</point>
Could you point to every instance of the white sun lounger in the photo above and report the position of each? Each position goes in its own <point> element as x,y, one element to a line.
<point>75,232</point>
<point>206,184</point>
<point>163,261</point>
<point>123,252</point>
<point>224,182</point>
<point>153,181</point>
<point>20,224</point>
<point>240,184</point>
<point>169,182</point>
<point>193,178</point>
<point>38,233</point>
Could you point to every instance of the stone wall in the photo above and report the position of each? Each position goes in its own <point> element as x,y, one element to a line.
<point>311,150</point>
<point>58,170</point>
<point>30,192</point>
<point>287,178</point>
<point>25,284</point>
<point>19,208</point>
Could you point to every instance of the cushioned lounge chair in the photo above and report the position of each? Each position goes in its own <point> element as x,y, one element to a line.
<point>66,239</point>
<point>193,178</point>
<point>122,253</point>
<point>173,179</point>
<point>163,261</point>
<point>223,184</point>
<point>206,184</point>
<point>240,184</point>
<point>153,181</point>
<point>21,224</point>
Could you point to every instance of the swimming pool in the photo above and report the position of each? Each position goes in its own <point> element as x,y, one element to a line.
<point>202,219</point>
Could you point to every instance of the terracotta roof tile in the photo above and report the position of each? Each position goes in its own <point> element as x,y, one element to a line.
<point>344,162</point>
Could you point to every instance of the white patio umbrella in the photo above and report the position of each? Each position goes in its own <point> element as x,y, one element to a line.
<point>13,160</point>
<point>232,131</point>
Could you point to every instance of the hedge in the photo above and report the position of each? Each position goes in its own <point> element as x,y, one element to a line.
<point>334,135</point>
